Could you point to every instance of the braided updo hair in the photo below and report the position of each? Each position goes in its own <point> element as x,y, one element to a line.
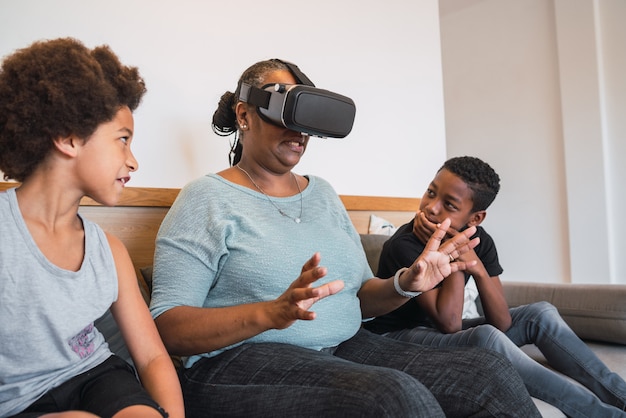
<point>479,176</point>
<point>58,88</point>
<point>225,120</point>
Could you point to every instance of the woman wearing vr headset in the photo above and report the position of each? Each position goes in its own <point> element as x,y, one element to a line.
<point>261,282</point>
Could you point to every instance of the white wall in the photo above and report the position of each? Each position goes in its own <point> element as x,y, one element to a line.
<point>386,56</point>
<point>612,36</point>
<point>536,88</point>
<point>505,70</point>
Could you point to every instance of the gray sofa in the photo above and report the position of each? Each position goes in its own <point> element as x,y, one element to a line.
<point>597,313</point>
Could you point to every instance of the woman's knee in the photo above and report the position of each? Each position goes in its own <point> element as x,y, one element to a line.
<point>393,393</point>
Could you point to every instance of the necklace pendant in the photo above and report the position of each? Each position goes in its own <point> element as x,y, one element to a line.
<point>296,220</point>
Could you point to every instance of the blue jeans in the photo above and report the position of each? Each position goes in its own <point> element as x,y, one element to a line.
<point>540,324</point>
<point>366,376</point>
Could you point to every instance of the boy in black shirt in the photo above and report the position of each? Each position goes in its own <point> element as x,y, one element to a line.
<point>462,190</point>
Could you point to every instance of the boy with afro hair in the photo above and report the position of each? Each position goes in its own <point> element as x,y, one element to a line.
<point>66,127</point>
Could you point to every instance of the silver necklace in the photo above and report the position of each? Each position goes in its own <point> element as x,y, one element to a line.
<point>296,220</point>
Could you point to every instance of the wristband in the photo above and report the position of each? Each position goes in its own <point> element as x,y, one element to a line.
<point>401,292</point>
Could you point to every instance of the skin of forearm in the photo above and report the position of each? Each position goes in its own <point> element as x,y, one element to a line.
<point>378,297</point>
<point>161,382</point>
<point>448,307</point>
<point>187,330</point>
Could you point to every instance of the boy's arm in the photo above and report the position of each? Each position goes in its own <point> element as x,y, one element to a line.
<point>446,308</point>
<point>491,295</point>
<point>153,363</point>
<point>444,304</point>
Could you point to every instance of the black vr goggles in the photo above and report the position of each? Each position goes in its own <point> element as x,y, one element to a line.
<point>301,107</point>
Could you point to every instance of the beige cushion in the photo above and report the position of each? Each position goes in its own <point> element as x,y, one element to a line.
<point>373,245</point>
<point>594,312</point>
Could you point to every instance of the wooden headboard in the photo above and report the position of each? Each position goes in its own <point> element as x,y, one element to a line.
<point>137,217</point>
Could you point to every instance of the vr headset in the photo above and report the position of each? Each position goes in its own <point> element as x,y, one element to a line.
<point>301,107</point>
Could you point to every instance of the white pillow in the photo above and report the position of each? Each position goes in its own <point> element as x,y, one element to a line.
<point>381,226</point>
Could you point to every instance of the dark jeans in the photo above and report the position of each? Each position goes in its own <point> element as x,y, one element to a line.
<point>366,376</point>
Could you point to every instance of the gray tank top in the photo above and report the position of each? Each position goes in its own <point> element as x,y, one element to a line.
<point>47,313</point>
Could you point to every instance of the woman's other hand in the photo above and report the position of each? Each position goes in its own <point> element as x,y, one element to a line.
<point>296,301</point>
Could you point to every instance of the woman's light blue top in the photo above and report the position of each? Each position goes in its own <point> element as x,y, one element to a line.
<point>222,244</point>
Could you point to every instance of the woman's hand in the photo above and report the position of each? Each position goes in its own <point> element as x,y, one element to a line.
<point>296,301</point>
<point>424,229</point>
<point>190,330</point>
<point>438,261</point>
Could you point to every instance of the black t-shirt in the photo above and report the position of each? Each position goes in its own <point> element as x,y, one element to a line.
<point>401,250</point>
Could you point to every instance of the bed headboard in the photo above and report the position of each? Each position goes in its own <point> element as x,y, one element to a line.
<point>138,215</point>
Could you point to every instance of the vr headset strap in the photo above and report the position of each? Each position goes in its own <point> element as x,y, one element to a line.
<point>260,97</point>
<point>300,77</point>
<point>254,95</point>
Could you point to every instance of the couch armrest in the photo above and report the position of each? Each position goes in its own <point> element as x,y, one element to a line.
<point>594,312</point>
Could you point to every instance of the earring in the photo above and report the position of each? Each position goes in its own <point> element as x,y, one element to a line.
<point>244,127</point>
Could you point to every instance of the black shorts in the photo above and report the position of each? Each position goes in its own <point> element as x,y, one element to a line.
<point>104,390</point>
